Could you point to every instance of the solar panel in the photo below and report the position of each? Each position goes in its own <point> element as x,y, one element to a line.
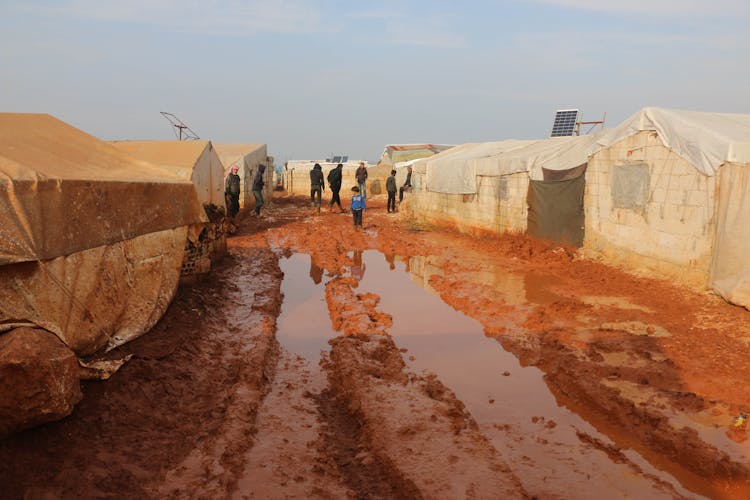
<point>565,122</point>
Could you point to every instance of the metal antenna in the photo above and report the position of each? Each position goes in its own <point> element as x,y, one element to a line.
<point>181,131</point>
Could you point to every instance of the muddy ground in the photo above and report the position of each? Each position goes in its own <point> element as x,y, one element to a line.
<point>611,385</point>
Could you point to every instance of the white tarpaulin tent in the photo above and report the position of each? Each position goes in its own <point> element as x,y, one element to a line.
<point>712,143</point>
<point>706,140</point>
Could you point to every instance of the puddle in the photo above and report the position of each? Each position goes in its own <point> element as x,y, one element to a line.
<point>304,326</point>
<point>537,436</point>
<point>512,404</point>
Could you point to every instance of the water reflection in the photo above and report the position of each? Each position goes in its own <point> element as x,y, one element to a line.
<point>304,325</point>
<point>358,266</point>
<point>512,404</point>
<point>316,272</point>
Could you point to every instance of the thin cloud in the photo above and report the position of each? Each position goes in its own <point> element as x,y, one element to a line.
<point>230,17</point>
<point>426,32</point>
<point>675,8</point>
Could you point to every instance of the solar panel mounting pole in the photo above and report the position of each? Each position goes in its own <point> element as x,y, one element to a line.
<point>593,125</point>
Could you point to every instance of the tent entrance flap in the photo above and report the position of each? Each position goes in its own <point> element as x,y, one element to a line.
<point>556,210</point>
<point>730,269</point>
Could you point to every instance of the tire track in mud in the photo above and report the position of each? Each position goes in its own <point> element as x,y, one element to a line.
<point>249,348</point>
<point>286,460</point>
<point>414,426</point>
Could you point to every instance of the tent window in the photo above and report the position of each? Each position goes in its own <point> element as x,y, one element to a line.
<point>502,188</point>
<point>630,186</point>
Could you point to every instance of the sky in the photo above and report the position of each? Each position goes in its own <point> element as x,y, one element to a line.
<point>312,78</point>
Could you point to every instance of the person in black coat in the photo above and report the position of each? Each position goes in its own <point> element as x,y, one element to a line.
<point>334,182</point>
<point>258,188</point>
<point>317,186</point>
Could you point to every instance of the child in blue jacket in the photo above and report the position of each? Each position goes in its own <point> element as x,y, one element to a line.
<point>357,206</point>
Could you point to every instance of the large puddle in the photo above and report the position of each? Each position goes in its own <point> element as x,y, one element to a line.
<point>539,438</point>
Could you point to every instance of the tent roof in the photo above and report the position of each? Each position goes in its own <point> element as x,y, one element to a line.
<point>230,153</point>
<point>706,140</point>
<point>39,146</point>
<point>63,191</point>
<point>183,154</point>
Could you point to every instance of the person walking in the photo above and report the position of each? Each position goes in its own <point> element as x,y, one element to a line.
<point>390,187</point>
<point>361,176</point>
<point>334,182</point>
<point>357,206</point>
<point>407,185</point>
<point>232,191</point>
<point>317,186</point>
<point>258,184</point>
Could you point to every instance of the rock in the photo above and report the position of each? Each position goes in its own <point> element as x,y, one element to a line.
<point>38,379</point>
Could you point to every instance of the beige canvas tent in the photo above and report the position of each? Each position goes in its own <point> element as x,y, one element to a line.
<point>247,157</point>
<point>195,161</point>
<point>665,191</point>
<point>91,239</point>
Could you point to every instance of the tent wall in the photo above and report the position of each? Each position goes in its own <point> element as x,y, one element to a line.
<point>103,296</point>
<point>208,177</point>
<point>650,210</point>
<point>499,206</point>
<point>247,157</point>
<point>730,268</point>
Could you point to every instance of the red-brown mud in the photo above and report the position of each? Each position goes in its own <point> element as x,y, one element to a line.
<point>211,406</point>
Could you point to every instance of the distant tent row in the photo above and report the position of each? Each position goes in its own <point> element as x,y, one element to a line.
<point>665,191</point>
<point>94,235</point>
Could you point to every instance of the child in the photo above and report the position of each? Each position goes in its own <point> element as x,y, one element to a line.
<point>390,186</point>
<point>357,206</point>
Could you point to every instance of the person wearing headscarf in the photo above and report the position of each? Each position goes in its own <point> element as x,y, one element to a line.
<point>232,191</point>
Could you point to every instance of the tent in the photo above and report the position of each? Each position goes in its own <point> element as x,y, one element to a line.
<point>194,161</point>
<point>664,191</point>
<point>91,239</point>
<point>247,157</point>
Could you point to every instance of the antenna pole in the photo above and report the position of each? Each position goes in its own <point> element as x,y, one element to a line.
<point>179,128</point>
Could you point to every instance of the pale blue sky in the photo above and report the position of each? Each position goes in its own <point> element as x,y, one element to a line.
<point>311,78</point>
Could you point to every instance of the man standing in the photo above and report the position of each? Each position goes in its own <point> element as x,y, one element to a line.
<point>406,187</point>
<point>334,182</point>
<point>258,188</point>
<point>361,176</point>
<point>232,192</point>
<point>317,186</point>
<point>390,187</point>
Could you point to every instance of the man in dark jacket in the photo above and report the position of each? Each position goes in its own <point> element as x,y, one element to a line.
<point>334,182</point>
<point>407,185</point>
<point>317,186</point>
<point>258,188</point>
<point>390,187</point>
<point>232,191</point>
<point>361,175</point>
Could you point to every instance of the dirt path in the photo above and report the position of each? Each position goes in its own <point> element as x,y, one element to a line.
<point>634,383</point>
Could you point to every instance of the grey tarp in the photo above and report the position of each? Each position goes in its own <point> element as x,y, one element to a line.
<point>556,210</point>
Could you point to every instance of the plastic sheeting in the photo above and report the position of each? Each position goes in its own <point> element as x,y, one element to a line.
<point>730,267</point>
<point>706,140</point>
<point>63,191</point>
<point>103,296</point>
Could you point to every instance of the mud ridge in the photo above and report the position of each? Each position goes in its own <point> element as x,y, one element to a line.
<point>414,425</point>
